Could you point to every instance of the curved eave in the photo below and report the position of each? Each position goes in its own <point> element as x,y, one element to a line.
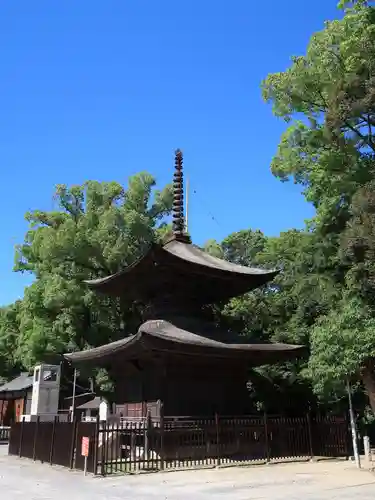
<point>194,255</point>
<point>101,352</point>
<point>162,336</point>
<point>188,260</point>
<point>99,282</point>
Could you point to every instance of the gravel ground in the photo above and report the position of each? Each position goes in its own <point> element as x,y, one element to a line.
<point>21,478</point>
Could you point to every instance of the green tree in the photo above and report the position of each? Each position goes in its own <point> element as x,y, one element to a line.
<point>342,348</point>
<point>9,332</point>
<point>330,152</point>
<point>349,4</point>
<point>96,230</point>
<point>343,343</point>
<point>282,311</point>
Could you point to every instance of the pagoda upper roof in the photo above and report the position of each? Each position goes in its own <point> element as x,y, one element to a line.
<point>193,254</point>
<point>180,270</point>
<point>180,263</point>
<point>163,336</point>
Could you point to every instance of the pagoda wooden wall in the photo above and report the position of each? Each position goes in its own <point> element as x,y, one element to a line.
<point>186,385</point>
<point>205,388</point>
<point>138,382</point>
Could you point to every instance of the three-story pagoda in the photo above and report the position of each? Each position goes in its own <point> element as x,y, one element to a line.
<point>179,356</point>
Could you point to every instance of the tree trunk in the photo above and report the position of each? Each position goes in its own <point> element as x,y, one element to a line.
<point>368,379</point>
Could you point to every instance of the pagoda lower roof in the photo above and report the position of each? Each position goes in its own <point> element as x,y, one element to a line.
<point>164,337</point>
<point>164,265</point>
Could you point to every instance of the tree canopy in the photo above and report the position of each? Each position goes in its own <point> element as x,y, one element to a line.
<point>327,99</point>
<point>96,229</point>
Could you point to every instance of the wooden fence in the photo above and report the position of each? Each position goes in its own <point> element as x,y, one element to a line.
<point>170,443</point>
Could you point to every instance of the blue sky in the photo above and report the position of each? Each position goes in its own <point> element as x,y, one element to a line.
<point>102,90</point>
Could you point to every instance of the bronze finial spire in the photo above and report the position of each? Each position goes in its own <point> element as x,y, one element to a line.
<point>178,200</point>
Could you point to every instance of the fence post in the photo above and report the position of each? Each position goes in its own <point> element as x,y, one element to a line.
<point>266,440</point>
<point>348,440</point>
<point>52,440</point>
<point>96,445</point>
<point>218,451</point>
<point>162,428</point>
<point>309,430</point>
<point>104,448</point>
<point>21,437</point>
<point>72,444</point>
<point>367,448</point>
<point>35,435</point>
<point>147,436</point>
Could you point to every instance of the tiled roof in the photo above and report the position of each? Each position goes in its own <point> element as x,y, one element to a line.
<point>194,255</point>
<point>20,383</point>
<point>160,334</point>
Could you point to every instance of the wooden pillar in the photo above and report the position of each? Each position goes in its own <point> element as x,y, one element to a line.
<point>162,452</point>
<point>266,439</point>
<point>310,435</point>
<point>218,448</point>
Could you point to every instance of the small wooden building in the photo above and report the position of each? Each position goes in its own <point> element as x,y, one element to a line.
<point>179,355</point>
<point>15,398</point>
<point>93,409</point>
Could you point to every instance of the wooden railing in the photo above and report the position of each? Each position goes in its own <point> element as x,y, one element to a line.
<point>170,443</point>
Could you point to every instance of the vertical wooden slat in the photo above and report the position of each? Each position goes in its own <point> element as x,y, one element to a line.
<point>104,448</point>
<point>101,439</point>
<point>21,437</point>
<point>109,453</point>
<point>266,438</point>
<point>96,446</point>
<point>73,429</point>
<point>310,435</point>
<point>52,441</point>
<point>146,450</point>
<point>162,436</point>
<point>35,435</point>
<point>217,428</point>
